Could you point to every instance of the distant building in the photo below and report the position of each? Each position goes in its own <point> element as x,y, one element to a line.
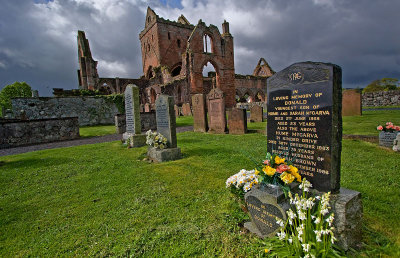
<point>174,54</point>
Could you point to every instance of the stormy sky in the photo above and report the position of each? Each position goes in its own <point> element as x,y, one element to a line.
<point>38,37</point>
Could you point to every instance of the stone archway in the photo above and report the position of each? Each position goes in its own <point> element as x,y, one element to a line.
<point>219,54</point>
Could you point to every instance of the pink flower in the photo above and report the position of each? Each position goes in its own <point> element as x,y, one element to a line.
<point>282,168</point>
<point>397,128</point>
<point>380,128</point>
<point>389,123</point>
<point>266,162</point>
<point>390,126</point>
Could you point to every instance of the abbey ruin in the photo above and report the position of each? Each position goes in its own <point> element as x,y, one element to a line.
<point>174,54</point>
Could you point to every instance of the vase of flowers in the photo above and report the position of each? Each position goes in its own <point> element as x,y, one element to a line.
<point>388,134</point>
<point>156,140</point>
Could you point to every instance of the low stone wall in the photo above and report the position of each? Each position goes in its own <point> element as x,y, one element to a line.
<point>381,98</point>
<point>89,110</point>
<point>247,106</point>
<point>26,132</point>
<point>147,119</point>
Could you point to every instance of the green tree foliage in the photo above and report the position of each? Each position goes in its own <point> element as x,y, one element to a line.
<point>383,84</point>
<point>17,89</point>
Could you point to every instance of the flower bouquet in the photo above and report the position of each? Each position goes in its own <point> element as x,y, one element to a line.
<point>278,171</point>
<point>156,140</point>
<point>242,182</point>
<point>390,127</point>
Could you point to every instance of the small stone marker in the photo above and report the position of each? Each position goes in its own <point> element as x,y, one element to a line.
<point>35,94</point>
<point>265,205</point>
<point>256,113</point>
<point>199,113</point>
<point>186,110</point>
<point>352,103</point>
<point>166,125</point>
<point>133,125</point>
<point>216,111</point>
<point>237,121</point>
<point>304,120</point>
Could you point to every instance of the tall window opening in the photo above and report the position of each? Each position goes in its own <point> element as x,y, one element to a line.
<point>207,44</point>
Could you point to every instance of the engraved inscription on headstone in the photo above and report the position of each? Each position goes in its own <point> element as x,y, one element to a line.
<point>304,120</point>
<point>216,111</point>
<point>199,113</point>
<point>263,215</point>
<point>132,113</point>
<point>165,117</point>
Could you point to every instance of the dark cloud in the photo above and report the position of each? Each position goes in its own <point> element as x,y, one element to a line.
<point>38,38</point>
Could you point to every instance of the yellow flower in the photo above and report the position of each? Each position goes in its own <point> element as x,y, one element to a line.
<point>287,178</point>
<point>256,172</point>
<point>266,250</point>
<point>297,176</point>
<point>269,171</point>
<point>279,160</point>
<point>293,169</point>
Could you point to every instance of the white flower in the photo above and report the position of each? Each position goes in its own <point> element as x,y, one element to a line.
<point>290,240</point>
<point>317,220</point>
<point>280,222</point>
<point>306,247</point>
<point>330,219</point>
<point>324,211</point>
<point>281,235</point>
<point>302,215</point>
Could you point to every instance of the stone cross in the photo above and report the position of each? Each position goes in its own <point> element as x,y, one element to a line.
<point>304,122</point>
<point>199,113</point>
<point>165,117</point>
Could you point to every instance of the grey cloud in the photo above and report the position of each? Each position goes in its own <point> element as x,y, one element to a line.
<point>360,36</point>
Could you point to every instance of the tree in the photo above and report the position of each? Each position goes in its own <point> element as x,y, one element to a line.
<point>17,89</point>
<point>383,84</point>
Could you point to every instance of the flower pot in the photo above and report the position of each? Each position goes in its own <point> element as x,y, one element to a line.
<point>386,139</point>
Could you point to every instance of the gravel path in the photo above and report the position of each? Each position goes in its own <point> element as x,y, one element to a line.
<point>82,141</point>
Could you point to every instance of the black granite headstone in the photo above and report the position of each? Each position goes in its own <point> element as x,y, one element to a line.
<point>304,121</point>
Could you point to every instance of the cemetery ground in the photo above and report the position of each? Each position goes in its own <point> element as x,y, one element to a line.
<point>103,199</point>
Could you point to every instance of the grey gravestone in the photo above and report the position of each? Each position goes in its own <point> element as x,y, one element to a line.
<point>132,114</point>
<point>304,120</point>
<point>396,143</point>
<point>166,125</point>
<point>165,117</point>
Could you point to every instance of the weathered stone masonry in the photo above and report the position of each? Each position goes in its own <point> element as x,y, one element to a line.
<point>25,132</point>
<point>381,98</point>
<point>89,110</point>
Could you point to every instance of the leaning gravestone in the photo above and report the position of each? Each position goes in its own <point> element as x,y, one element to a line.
<point>216,111</point>
<point>199,113</point>
<point>256,114</point>
<point>166,125</point>
<point>133,125</point>
<point>304,124</point>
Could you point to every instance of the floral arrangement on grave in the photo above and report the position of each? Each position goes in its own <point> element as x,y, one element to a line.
<point>390,127</point>
<point>278,171</point>
<point>275,171</point>
<point>242,182</point>
<point>156,140</point>
<point>308,230</point>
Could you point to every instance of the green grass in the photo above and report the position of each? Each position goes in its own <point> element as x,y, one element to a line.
<point>367,123</point>
<point>102,200</point>
<point>100,130</point>
<point>381,107</point>
<point>96,130</point>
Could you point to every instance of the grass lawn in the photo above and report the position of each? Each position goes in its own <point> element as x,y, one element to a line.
<point>102,200</point>
<point>99,130</point>
<point>367,123</point>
